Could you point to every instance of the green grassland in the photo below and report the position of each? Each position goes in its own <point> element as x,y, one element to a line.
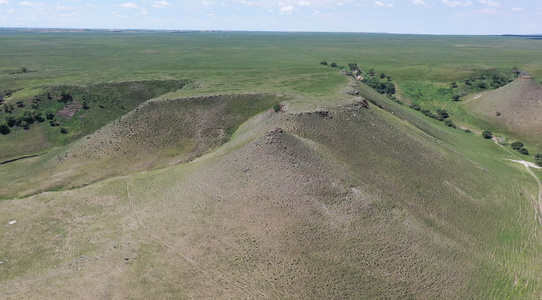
<point>238,167</point>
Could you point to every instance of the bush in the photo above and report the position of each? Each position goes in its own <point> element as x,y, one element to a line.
<point>63,130</point>
<point>415,107</point>
<point>50,115</point>
<point>487,134</point>
<point>323,63</point>
<point>443,113</point>
<point>333,65</point>
<point>449,123</point>
<point>468,130</point>
<point>538,156</point>
<point>277,107</point>
<point>524,151</point>
<point>516,145</point>
<point>4,128</point>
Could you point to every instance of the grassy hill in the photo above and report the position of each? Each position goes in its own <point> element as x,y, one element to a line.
<point>263,175</point>
<point>515,109</point>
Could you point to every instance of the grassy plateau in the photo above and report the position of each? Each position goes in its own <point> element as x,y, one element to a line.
<point>237,165</point>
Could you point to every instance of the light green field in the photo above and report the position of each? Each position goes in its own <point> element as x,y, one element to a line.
<point>213,191</point>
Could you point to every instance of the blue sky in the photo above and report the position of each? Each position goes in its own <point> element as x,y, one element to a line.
<point>393,16</point>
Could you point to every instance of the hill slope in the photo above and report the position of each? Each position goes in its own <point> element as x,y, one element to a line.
<point>157,133</point>
<point>345,204</point>
<point>520,106</point>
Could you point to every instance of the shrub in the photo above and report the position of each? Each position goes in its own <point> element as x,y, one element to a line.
<point>50,115</point>
<point>449,123</point>
<point>277,107</point>
<point>524,151</point>
<point>323,63</point>
<point>415,107</point>
<point>538,156</point>
<point>468,130</point>
<point>333,65</point>
<point>443,113</point>
<point>487,134</point>
<point>11,120</point>
<point>63,130</point>
<point>516,145</point>
<point>4,128</point>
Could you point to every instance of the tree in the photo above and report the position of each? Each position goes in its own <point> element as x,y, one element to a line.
<point>538,156</point>
<point>323,63</point>
<point>455,98</point>
<point>63,130</point>
<point>333,65</point>
<point>11,121</point>
<point>453,85</point>
<point>516,145</point>
<point>415,107</point>
<point>50,115</point>
<point>382,75</point>
<point>487,134</point>
<point>443,113</point>
<point>353,66</point>
<point>524,151</point>
<point>449,123</point>
<point>4,129</point>
<point>482,85</point>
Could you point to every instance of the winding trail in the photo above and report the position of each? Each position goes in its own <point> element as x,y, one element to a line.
<point>528,166</point>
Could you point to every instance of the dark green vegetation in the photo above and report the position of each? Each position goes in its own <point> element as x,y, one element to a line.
<point>236,166</point>
<point>69,112</point>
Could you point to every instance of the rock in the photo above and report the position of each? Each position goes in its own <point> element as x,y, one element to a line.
<point>12,222</point>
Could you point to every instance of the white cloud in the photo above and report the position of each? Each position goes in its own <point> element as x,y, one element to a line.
<point>207,3</point>
<point>419,2</point>
<point>144,12</point>
<point>287,9</point>
<point>161,4</point>
<point>487,11</point>
<point>118,16</point>
<point>247,3</point>
<point>10,10</point>
<point>456,3</point>
<point>382,4</point>
<point>304,3</point>
<point>490,3</point>
<point>211,15</point>
<point>129,5</point>
<point>518,8</point>
<point>4,2</point>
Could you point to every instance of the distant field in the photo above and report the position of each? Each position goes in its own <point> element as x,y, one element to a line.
<point>244,61</point>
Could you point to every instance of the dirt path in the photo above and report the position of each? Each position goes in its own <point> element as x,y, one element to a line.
<point>210,274</point>
<point>528,166</point>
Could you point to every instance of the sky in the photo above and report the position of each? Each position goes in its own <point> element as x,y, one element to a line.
<point>473,17</point>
